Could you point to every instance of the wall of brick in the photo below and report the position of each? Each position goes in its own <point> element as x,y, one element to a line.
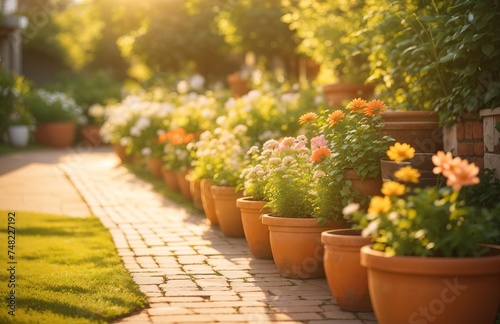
<point>470,142</point>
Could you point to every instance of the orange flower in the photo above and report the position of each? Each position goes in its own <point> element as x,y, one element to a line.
<point>444,163</point>
<point>374,108</point>
<point>335,117</point>
<point>463,174</point>
<point>357,105</point>
<point>320,154</point>
<point>306,118</point>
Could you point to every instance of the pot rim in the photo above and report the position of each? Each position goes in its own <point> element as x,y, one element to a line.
<point>346,237</point>
<point>297,222</point>
<point>438,266</point>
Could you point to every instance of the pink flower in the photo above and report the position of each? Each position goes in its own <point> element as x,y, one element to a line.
<point>318,141</point>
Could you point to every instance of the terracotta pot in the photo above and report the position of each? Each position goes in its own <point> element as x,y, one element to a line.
<point>195,188</point>
<point>256,233</point>
<point>227,212</point>
<point>184,184</point>
<point>420,129</point>
<point>368,187</point>
<point>421,161</point>
<point>208,201</point>
<point>346,277</point>
<point>170,179</point>
<point>154,166</point>
<point>407,289</point>
<point>120,152</point>
<point>296,245</point>
<point>238,85</point>
<point>339,93</point>
<point>56,134</point>
<point>91,135</point>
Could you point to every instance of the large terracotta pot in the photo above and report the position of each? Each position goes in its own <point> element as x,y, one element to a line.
<point>339,93</point>
<point>296,245</point>
<point>184,184</point>
<point>56,134</point>
<point>170,178</point>
<point>120,152</point>
<point>420,129</point>
<point>407,289</point>
<point>90,134</point>
<point>256,233</point>
<point>195,188</point>
<point>346,277</point>
<point>227,212</point>
<point>208,201</point>
<point>154,166</point>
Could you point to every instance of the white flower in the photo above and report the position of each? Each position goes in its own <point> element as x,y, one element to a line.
<point>182,87</point>
<point>146,151</point>
<point>318,174</point>
<point>197,81</point>
<point>371,229</point>
<point>349,209</point>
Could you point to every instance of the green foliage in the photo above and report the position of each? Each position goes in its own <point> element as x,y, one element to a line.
<point>54,107</point>
<point>407,39</point>
<point>473,53</point>
<point>256,25</point>
<point>91,285</point>
<point>330,33</point>
<point>7,99</point>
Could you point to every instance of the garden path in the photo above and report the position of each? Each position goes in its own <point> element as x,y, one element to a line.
<point>190,272</point>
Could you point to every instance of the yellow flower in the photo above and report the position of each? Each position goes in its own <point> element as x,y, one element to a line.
<point>307,117</point>
<point>379,205</point>
<point>407,174</point>
<point>400,152</point>
<point>393,188</point>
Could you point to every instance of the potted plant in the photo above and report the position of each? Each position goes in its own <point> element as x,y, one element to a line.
<point>20,122</point>
<point>56,117</point>
<point>428,254</point>
<point>90,131</point>
<point>295,234</point>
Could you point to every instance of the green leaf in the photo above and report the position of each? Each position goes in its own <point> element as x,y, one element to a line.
<point>487,49</point>
<point>448,57</point>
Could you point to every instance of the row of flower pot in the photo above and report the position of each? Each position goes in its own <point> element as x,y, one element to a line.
<point>398,289</point>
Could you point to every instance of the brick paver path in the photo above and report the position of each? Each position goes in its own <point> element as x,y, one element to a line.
<point>191,272</point>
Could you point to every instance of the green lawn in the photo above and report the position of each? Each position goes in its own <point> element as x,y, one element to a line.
<point>67,271</point>
<point>7,149</point>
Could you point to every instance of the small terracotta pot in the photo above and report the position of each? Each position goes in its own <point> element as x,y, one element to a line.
<point>154,166</point>
<point>256,233</point>
<point>91,135</point>
<point>170,179</point>
<point>346,277</point>
<point>195,188</point>
<point>208,201</point>
<point>227,212</point>
<point>120,152</point>
<point>56,134</point>
<point>184,184</point>
<point>413,289</point>
<point>296,245</point>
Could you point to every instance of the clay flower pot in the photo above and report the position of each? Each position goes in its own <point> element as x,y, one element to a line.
<point>413,289</point>
<point>56,134</point>
<point>208,201</point>
<point>346,277</point>
<point>227,212</point>
<point>154,166</point>
<point>184,184</point>
<point>170,178</point>
<point>195,188</point>
<point>120,152</point>
<point>368,187</point>
<point>90,134</point>
<point>256,233</point>
<point>337,93</point>
<point>296,245</point>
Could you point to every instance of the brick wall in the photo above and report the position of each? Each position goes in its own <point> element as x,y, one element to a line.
<point>470,141</point>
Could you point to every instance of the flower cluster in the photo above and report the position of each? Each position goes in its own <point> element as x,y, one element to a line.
<point>175,143</point>
<point>429,221</point>
<point>49,106</point>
